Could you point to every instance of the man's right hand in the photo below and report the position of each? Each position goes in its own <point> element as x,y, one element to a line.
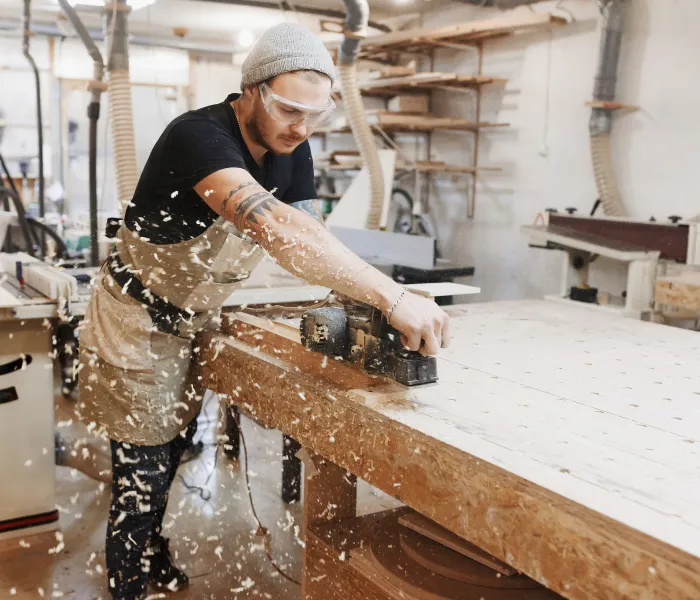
<point>423,324</point>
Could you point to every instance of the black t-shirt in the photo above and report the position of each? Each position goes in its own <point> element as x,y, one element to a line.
<point>165,208</point>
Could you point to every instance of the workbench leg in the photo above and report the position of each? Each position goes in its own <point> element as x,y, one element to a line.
<point>330,494</point>
<point>291,470</point>
<point>232,448</point>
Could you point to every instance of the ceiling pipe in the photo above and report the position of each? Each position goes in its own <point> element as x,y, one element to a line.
<point>26,33</point>
<point>96,88</point>
<point>51,30</point>
<point>309,10</point>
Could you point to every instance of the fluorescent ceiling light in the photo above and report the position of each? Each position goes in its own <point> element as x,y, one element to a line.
<point>246,38</point>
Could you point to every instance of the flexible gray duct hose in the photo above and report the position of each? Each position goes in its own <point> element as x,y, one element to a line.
<point>601,122</point>
<point>604,171</point>
<point>120,107</point>
<point>356,25</point>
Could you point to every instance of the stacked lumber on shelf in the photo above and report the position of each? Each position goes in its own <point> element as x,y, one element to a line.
<point>347,160</point>
<point>398,122</point>
<point>425,82</point>
<point>390,121</point>
<point>466,33</point>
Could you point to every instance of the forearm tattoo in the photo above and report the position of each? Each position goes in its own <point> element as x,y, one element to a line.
<point>310,207</point>
<point>251,210</point>
<point>231,194</point>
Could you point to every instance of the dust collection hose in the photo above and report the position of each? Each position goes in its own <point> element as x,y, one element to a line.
<point>120,108</point>
<point>601,121</point>
<point>26,29</point>
<point>355,28</point>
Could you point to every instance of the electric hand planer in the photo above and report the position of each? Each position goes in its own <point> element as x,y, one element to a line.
<point>362,335</point>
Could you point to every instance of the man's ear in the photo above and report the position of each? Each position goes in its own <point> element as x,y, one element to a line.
<point>251,91</point>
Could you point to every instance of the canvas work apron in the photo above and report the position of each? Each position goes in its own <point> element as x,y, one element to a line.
<point>134,373</point>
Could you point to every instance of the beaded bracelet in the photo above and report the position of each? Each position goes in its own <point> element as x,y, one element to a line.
<point>393,306</point>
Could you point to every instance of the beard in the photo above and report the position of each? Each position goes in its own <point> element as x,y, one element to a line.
<point>260,134</point>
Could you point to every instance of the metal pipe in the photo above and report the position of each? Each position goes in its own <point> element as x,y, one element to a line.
<point>51,30</point>
<point>309,10</point>
<point>26,32</point>
<point>94,116</point>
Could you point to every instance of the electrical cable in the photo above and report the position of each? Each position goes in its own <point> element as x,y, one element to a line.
<point>269,307</point>
<point>262,531</point>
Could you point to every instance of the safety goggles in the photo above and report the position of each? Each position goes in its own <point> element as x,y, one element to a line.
<point>292,113</point>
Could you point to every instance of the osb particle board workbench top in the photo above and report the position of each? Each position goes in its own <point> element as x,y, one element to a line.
<point>561,440</point>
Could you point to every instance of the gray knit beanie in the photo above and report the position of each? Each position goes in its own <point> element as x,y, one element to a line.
<point>283,48</point>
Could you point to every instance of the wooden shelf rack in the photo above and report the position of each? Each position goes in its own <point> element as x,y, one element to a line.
<point>463,34</point>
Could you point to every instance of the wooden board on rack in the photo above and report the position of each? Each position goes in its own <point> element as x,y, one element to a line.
<point>462,33</point>
<point>426,81</point>
<point>390,121</point>
<point>422,166</point>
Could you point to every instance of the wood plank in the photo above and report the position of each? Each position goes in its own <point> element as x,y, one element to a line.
<point>396,121</point>
<point>390,121</point>
<point>347,164</point>
<point>465,31</point>
<point>426,81</point>
<point>611,105</point>
<point>442,288</point>
<point>560,481</point>
<point>678,292</point>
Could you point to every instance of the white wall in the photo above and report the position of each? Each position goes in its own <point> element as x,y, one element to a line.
<point>656,150</point>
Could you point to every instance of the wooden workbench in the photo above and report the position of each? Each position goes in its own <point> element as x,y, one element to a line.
<point>560,440</point>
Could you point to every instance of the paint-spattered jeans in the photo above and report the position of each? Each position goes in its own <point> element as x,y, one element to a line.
<point>141,480</point>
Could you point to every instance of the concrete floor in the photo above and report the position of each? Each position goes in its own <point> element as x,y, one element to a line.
<point>213,540</point>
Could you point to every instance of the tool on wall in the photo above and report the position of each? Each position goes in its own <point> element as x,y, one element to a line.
<point>361,334</point>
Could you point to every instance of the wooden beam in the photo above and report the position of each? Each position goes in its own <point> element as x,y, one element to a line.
<point>611,105</point>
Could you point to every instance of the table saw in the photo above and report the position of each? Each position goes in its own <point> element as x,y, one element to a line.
<point>32,296</point>
<point>560,441</point>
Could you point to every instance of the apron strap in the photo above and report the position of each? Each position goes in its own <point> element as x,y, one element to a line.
<point>165,315</point>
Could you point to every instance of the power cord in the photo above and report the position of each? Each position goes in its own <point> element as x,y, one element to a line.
<point>268,307</point>
<point>262,531</point>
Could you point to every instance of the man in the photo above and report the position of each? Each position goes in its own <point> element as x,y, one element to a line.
<point>220,185</point>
